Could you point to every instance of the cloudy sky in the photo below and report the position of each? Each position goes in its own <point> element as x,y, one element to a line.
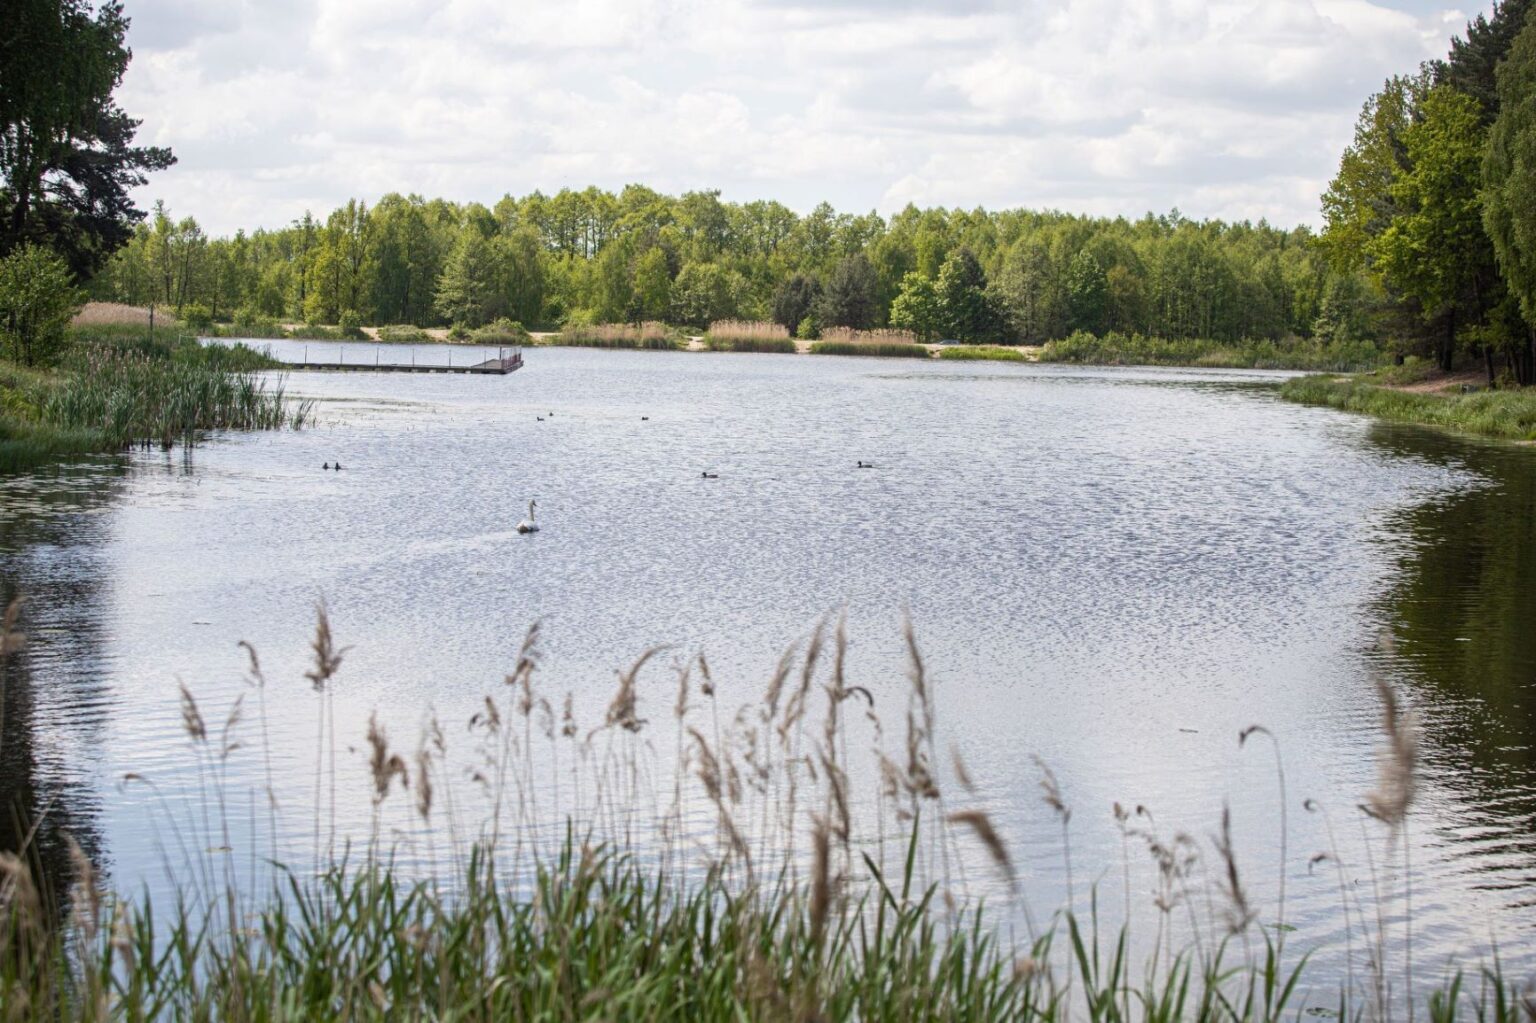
<point>1234,110</point>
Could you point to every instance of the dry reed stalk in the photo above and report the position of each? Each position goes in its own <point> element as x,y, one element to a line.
<point>1397,762</point>
<point>191,717</point>
<point>115,313</point>
<point>883,336</point>
<point>981,826</point>
<point>11,638</point>
<point>1239,912</point>
<point>383,766</point>
<point>750,330</point>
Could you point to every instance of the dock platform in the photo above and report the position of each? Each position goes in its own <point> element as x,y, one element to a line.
<point>500,366</point>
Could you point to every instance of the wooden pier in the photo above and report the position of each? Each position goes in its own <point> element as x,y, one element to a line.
<point>499,366</point>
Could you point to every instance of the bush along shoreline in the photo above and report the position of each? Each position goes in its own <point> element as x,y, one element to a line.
<point>755,882</point>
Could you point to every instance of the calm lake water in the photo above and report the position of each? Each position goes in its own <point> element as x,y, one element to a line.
<point>1113,570</point>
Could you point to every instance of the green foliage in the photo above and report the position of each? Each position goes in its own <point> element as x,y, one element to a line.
<point>1435,251</point>
<point>197,317</point>
<point>705,292</point>
<point>404,334</point>
<point>809,329</point>
<point>982,352</point>
<point>502,332</point>
<point>888,350</point>
<point>796,301</point>
<point>917,307</point>
<point>67,162</point>
<point>1509,415</point>
<point>37,299</point>
<point>1116,349</point>
<point>851,295</point>
<point>965,308</point>
<point>1509,173</point>
<point>1087,292</point>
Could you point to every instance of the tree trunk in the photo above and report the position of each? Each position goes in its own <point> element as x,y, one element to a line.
<point>1488,362</point>
<point>1448,344</point>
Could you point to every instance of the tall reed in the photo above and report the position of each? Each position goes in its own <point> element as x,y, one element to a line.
<point>642,908</point>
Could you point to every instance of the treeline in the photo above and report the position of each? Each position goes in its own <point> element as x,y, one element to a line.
<point>1435,200</point>
<point>591,256</point>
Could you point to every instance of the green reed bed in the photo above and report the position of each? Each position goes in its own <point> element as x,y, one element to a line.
<point>875,348</point>
<point>1504,414</point>
<point>1115,349</point>
<point>985,352</point>
<point>130,397</point>
<point>791,905</point>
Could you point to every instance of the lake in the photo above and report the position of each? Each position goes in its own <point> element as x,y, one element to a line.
<point>1113,570</point>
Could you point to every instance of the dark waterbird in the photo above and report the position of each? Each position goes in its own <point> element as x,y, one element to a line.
<point>710,475</point>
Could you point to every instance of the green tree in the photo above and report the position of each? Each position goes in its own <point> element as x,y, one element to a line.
<point>796,299</point>
<point>704,292</point>
<point>653,286</point>
<point>1087,292</point>
<point>851,296</point>
<point>466,289</point>
<point>1509,188</point>
<point>37,299</point>
<point>66,152</point>
<point>917,307</point>
<point>966,310</point>
<point>1435,250</point>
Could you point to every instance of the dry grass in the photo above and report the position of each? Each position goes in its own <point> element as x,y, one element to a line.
<point>117,314</point>
<point>847,335</point>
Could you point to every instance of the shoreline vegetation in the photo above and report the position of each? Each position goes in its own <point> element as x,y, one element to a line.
<point>797,898</point>
<point>1455,404</point>
<point>116,385</point>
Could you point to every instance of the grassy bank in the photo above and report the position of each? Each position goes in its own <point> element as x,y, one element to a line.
<point>877,348</point>
<point>1508,415</point>
<point>754,882</point>
<point>117,386</point>
<point>1116,349</point>
<point>990,353</point>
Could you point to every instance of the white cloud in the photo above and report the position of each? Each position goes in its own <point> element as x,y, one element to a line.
<point>1231,109</point>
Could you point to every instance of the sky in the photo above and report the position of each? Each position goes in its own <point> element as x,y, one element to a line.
<point>1235,110</point>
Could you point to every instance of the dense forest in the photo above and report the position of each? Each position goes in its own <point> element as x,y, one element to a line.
<point>593,256</point>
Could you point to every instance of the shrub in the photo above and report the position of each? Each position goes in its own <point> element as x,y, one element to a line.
<point>502,332</point>
<point>1115,349</point>
<point>403,334</point>
<point>197,316</point>
<point>847,335</point>
<point>37,301</point>
<point>351,326</point>
<point>458,333</point>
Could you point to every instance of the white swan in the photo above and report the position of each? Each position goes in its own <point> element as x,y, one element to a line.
<point>528,525</point>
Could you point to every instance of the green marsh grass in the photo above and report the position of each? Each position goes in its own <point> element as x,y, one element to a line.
<point>403,334</point>
<point>1115,349</point>
<point>984,352</point>
<point>1507,415</point>
<point>628,916</point>
<point>876,348</point>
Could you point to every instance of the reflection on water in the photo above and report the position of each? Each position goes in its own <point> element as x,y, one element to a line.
<point>1462,612</point>
<point>54,690</point>
<point>1116,570</point>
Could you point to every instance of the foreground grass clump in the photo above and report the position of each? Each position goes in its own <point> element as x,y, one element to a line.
<point>1508,415</point>
<point>649,335</point>
<point>1115,349</point>
<point>748,336</point>
<point>988,352</point>
<point>751,884</point>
